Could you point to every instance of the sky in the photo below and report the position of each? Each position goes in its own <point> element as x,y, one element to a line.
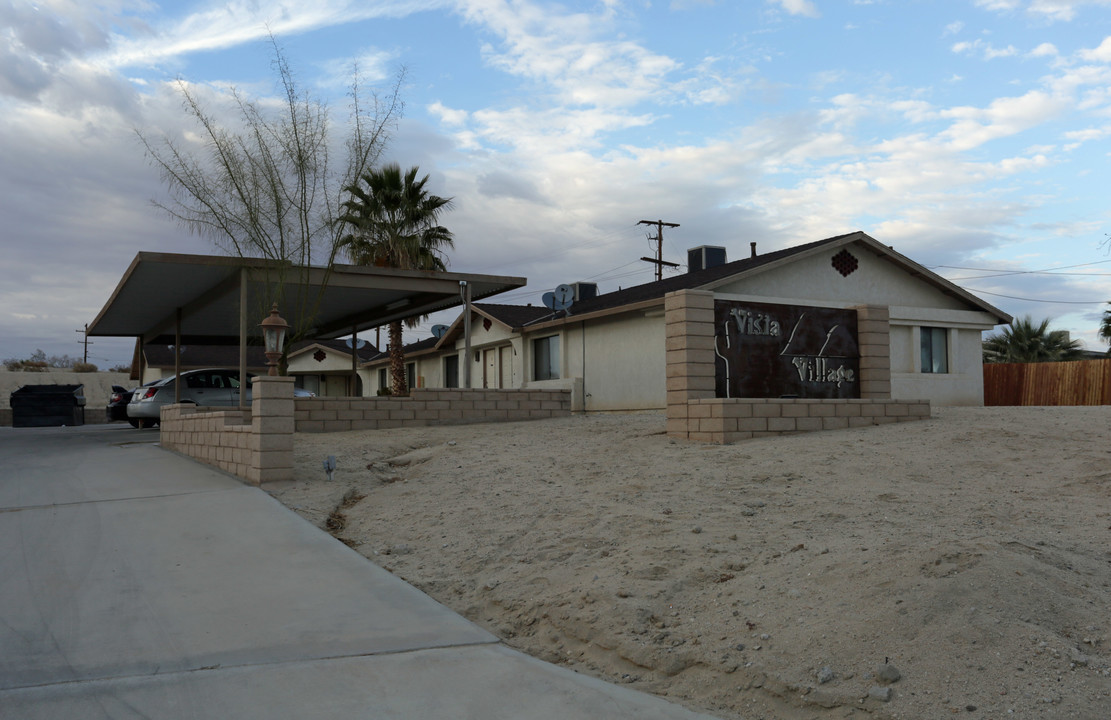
<point>973,136</point>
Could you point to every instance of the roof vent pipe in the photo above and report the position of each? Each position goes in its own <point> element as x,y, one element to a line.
<point>753,246</point>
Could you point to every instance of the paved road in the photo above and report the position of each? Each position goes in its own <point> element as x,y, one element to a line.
<point>138,584</point>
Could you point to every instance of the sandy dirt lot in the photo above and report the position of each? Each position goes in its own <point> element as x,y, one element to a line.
<point>958,566</point>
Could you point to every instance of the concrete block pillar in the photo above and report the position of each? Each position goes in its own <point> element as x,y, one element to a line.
<point>873,327</point>
<point>689,334</point>
<point>271,442</point>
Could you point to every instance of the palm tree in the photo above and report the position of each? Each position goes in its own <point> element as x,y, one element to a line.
<point>394,223</point>
<point>1105,328</point>
<point>1024,342</point>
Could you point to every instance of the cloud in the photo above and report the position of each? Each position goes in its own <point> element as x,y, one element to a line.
<point>230,24</point>
<point>1100,54</point>
<point>1003,117</point>
<point>1052,10</point>
<point>986,50</point>
<point>1044,50</point>
<point>805,8</point>
<point>571,54</point>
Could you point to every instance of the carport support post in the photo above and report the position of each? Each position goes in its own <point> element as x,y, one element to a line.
<point>271,442</point>
<point>177,355</point>
<point>466,333</point>
<point>243,338</point>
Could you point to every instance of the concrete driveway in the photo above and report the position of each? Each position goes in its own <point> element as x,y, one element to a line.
<point>138,584</point>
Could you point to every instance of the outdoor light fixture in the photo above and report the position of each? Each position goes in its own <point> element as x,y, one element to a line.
<point>273,333</point>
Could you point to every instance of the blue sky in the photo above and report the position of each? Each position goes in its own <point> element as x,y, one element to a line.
<point>971,135</point>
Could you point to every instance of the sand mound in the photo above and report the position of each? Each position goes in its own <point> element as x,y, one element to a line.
<point>955,565</point>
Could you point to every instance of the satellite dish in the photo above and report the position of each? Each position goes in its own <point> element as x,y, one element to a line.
<point>560,298</point>
<point>361,343</point>
<point>438,331</point>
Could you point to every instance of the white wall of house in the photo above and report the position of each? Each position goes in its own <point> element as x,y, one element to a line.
<point>813,281</point>
<point>328,377</point>
<point>618,362</point>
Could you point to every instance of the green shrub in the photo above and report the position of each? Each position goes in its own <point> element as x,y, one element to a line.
<point>84,367</point>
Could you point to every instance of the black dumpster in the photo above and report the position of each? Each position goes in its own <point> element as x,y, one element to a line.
<point>48,405</point>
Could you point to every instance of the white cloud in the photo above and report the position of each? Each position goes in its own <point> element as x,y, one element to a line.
<point>987,50</point>
<point>1100,54</point>
<point>570,53</point>
<point>225,25</point>
<point>805,8</point>
<point>1044,50</point>
<point>1052,10</point>
<point>447,115</point>
<point>1003,117</point>
<point>953,28</point>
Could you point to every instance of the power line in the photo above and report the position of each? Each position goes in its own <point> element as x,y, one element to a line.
<point>1053,302</point>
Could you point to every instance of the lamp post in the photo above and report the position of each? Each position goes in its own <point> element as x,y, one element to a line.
<point>273,333</point>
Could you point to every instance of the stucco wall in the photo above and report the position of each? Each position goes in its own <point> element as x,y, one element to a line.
<point>813,280</point>
<point>624,363</point>
<point>962,385</point>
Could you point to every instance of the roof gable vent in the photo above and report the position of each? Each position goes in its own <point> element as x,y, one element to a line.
<point>705,256</point>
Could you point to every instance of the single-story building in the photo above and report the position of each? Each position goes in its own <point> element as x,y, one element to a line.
<point>609,348</point>
<point>323,367</point>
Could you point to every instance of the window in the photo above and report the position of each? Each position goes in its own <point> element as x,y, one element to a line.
<point>383,379</point>
<point>545,358</point>
<point>451,371</point>
<point>935,350</point>
<point>410,375</point>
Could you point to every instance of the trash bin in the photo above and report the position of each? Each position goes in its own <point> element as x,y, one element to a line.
<point>48,405</point>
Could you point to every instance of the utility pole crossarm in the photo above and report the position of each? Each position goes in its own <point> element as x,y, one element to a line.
<point>659,259</point>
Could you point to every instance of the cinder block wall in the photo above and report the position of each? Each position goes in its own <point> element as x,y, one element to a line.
<point>221,438</point>
<point>256,447</point>
<point>426,406</point>
<point>693,413</point>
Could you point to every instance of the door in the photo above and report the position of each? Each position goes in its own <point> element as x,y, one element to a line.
<point>505,366</point>
<point>490,377</point>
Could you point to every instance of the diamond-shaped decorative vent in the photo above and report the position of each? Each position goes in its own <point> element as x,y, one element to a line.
<point>845,263</point>
<point>319,355</point>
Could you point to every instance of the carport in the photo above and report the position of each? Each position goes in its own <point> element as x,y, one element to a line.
<point>178,299</point>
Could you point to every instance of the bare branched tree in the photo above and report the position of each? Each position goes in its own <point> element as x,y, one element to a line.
<point>264,185</point>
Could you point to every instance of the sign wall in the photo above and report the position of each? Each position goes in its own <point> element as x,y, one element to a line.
<point>771,351</point>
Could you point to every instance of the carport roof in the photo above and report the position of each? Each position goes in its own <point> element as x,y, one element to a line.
<point>327,302</point>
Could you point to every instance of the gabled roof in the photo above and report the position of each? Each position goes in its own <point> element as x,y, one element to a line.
<point>510,316</point>
<point>364,353</point>
<point>421,346</point>
<point>202,356</point>
<point>653,293</point>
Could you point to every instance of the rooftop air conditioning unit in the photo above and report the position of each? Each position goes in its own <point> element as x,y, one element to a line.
<point>705,256</point>
<point>585,291</point>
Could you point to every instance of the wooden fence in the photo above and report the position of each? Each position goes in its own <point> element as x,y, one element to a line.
<point>1084,382</point>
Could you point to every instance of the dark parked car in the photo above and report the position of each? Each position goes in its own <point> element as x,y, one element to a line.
<point>208,387</point>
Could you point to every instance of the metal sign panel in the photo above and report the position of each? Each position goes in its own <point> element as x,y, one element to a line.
<point>771,351</point>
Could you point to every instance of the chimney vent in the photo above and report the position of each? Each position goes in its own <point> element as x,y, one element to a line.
<point>753,246</point>
<point>705,256</point>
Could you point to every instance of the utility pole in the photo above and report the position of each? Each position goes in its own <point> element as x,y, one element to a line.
<point>658,261</point>
<point>85,341</point>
